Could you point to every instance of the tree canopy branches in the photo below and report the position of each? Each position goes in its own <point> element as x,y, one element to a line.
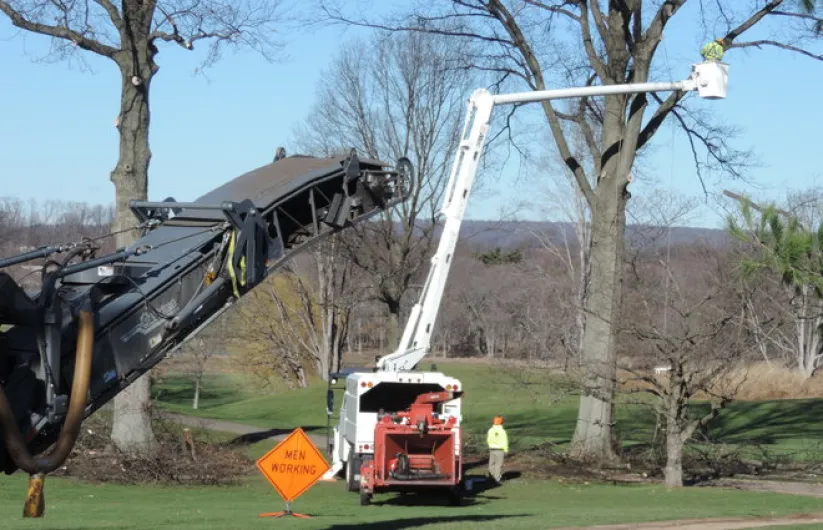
<point>103,28</point>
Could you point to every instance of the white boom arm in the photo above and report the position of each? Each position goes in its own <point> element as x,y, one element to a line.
<point>709,78</point>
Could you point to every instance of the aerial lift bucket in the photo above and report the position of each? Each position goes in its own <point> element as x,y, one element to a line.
<point>712,79</point>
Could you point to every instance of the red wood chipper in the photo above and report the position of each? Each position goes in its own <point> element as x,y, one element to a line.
<point>415,450</point>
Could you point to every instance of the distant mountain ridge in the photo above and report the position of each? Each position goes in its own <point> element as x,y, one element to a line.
<point>509,235</point>
<point>476,234</point>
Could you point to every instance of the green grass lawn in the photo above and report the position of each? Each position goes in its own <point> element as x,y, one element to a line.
<point>520,504</point>
<point>530,416</point>
<point>538,408</point>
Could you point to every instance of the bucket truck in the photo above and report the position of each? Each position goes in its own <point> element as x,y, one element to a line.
<point>394,385</point>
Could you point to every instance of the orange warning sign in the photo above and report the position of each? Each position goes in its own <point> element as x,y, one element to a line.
<point>293,465</point>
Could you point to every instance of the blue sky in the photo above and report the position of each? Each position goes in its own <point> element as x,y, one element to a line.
<point>58,141</point>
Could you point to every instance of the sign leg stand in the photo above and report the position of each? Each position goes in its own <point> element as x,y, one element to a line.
<point>287,511</point>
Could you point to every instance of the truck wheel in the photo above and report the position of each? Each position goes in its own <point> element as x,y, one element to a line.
<point>352,471</point>
<point>365,498</point>
<point>456,495</point>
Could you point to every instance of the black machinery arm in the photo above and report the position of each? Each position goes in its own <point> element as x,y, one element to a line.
<point>97,325</point>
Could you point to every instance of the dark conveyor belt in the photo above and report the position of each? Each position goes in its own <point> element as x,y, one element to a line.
<point>193,261</point>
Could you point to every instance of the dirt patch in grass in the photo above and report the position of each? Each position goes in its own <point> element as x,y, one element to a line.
<point>789,487</point>
<point>726,523</point>
<point>544,462</point>
<point>547,461</point>
<point>210,462</point>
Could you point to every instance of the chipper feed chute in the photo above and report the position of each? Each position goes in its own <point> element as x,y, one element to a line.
<point>415,450</point>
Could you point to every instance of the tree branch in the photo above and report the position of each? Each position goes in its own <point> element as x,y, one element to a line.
<point>704,421</point>
<point>169,37</point>
<point>588,45</point>
<point>188,43</point>
<point>761,43</point>
<point>659,117</point>
<point>417,28</point>
<point>554,9</point>
<point>637,30</point>
<point>200,34</point>
<point>114,15</point>
<point>627,13</point>
<point>817,21</point>
<point>588,133</point>
<point>508,22</point>
<point>599,22</point>
<point>666,11</point>
<point>754,19</point>
<point>59,32</point>
<point>570,160</point>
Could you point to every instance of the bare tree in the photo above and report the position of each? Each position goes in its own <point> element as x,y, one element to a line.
<point>482,297</point>
<point>27,225</point>
<point>195,356</point>
<point>129,34</point>
<point>200,357</point>
<point>542,44</point>
<point>390,97</point>
<point>337,294</point>
<point>553,318</point>
<point>454,326</point>
<point>298,324</point>
<point>12,222</point>
<point>693,332</point>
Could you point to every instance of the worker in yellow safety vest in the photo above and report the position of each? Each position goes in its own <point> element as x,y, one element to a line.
<point>498,442</point>
<point>713,51</point>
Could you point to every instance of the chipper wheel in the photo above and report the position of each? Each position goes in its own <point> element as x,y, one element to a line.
<point>455,494</point>
<point>366,481</point>
<point>365,498</point>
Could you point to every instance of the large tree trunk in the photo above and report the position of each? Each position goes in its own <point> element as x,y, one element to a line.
<point>673,471</point>
<point>131,429</point>
<point>592,439</point>
<point>678,428</point>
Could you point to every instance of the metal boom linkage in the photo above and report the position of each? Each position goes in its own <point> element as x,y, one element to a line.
<point>99,323</point>
<point>708,78</point>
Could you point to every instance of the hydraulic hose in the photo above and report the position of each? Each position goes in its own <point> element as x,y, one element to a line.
<point>16,446</point>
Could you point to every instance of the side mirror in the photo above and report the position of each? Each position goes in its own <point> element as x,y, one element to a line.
<point>329,401</point>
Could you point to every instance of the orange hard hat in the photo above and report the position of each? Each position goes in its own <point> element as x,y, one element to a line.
<point>498,420</point>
